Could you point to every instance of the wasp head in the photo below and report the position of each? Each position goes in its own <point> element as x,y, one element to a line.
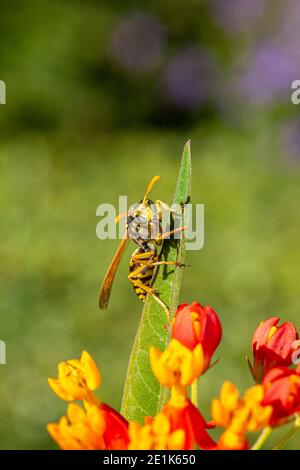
<point>143,221</point>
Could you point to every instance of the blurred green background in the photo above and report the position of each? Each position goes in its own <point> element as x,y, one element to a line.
<point>100,97</point>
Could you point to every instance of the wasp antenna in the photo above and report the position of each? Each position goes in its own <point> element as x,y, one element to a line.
<point>151,184</point>
<point>120,216</point>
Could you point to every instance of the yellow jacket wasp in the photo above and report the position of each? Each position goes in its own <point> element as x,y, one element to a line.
<point>144,227</point>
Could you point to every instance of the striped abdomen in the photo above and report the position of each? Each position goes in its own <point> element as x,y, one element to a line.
<point>141,274</point>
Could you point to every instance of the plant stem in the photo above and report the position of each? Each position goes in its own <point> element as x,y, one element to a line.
<point>194,393</point>
<point>283,442</point>
<point>262,438</point>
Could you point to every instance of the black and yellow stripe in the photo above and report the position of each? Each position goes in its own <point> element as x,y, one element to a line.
<point>141,271</point>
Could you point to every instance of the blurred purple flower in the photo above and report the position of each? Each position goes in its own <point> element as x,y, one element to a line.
<point>187,80</point>
<point>290,140</point>
<point>238,15</point>
<point>137,42</point>
<point>268,75</point>
<point>288,32</point>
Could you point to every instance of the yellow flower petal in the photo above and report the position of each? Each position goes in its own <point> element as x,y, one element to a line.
<point>79,429</point>
<point>254,394</point>
<point>232,441</point>
<point>75,413</point>
<point>177,365</point>
<point>229,396</point>
<point>57,389</point>
<point>220,414</point>
<point>161,424</point>
<point>91,371</point>
<point>176,440</point>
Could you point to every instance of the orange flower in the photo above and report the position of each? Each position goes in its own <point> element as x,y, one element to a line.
<point>90,428</point>
<point>156,434</point>
<point>193,325</point>
<point>272,346</point>
<point>233,440</point>
<point>223,408</point>
<point>80,430</point>
<point>182,414</point>
<point>76,378</point>
<point>97,425</point>
<point>177,365</point>
<point>179,426</point>
<point>282,393</point>
<point>239,415</point>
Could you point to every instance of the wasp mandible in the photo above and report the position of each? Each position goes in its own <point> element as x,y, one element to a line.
<point>144,227</point>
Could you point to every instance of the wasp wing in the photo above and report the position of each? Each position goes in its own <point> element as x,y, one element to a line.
<point>110,275</point>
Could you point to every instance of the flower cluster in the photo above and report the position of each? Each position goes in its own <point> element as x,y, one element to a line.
<point>275,398</point>
<point>196,334</point>
<point>239,415</point>
<point>95,425</point>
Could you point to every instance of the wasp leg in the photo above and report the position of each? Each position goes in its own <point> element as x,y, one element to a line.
<point>155,263</point>
<point>141,256</point>
<point>165,307</point>
<point>152,292</point>
<point>163,205</point>
<point>168,234</point>
<point>140,259</point>
<point>173,263</point>
<point>143,262</point>
<point>139,283</point>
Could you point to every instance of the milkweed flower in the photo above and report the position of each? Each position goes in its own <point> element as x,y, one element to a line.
<point>80,430</point>
<point>238,415</point>
<point>182,414</point>
<point>179,426</point>
<point>76,378</point>
<point>96,425</point>
<point>156,434</point>
<point>90,428</point>
<point>177,365</point>
<point>282,393</point>
<point>233,439</point>
<point>193,325</point>
<point>223,408</point>
<point>272,346</point>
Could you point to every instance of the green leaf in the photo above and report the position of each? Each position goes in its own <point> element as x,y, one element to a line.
<point>143,395</point>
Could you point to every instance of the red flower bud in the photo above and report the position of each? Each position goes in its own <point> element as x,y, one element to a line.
<point>116,433</point>
<point>272,346</point>
<point>194,324</point>
<point>282,392</point>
